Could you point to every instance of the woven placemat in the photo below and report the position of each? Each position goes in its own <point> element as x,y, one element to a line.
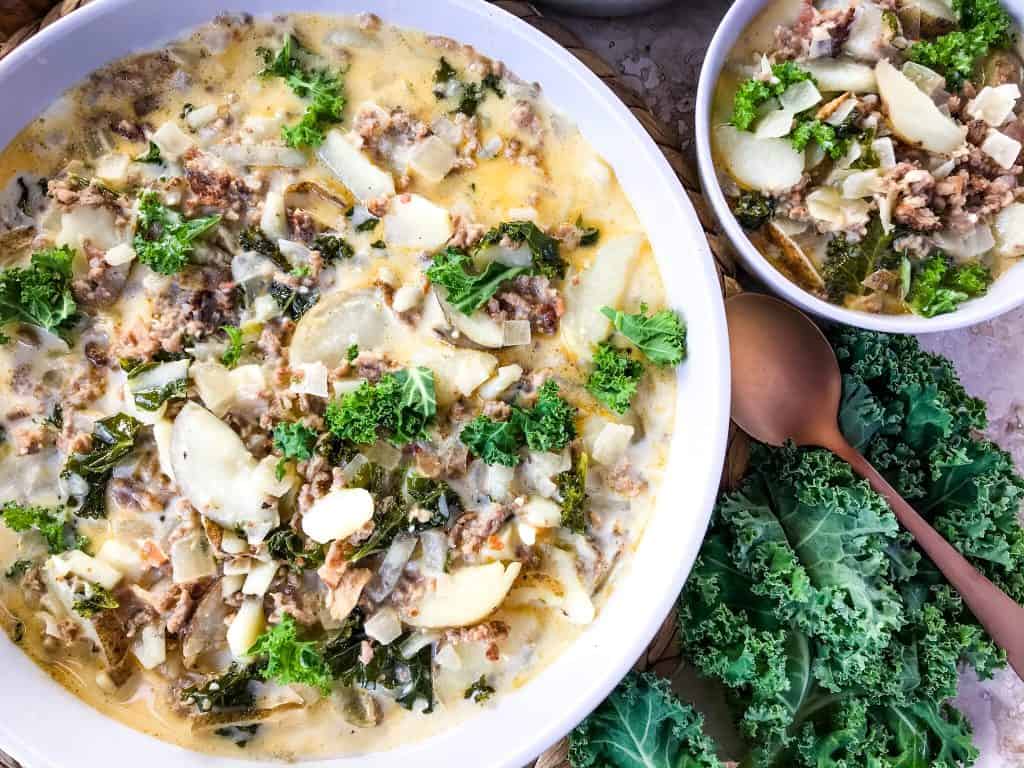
<point>20,19</point>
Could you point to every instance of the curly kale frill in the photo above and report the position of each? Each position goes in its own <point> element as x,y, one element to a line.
<point>837,641</point>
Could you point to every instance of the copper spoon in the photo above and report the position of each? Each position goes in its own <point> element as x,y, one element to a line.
<point>786,385</point>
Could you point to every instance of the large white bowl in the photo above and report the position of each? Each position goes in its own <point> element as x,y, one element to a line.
<point>1005,294</point>
<point>46,727</point>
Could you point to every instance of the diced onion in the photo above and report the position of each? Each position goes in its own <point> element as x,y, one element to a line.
<point>384,454</point>
<point>391,567</point>
<point>201,116</point>
<point>516,333</point>
<point>350,470</point>
<point>260,155</point>
<point>313,380</point>
<point>417,642</point>
<point>1001,148</point>
<point>886,152</point>
<point>434,544</point>
<point>384,626</point>
<point>800,96</point>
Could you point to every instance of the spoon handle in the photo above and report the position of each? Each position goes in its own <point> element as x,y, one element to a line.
<point>1001,617</point>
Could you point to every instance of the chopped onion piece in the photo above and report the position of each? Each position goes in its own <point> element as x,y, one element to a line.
<point>964,247</point>
<point>434,544</point>
<point>928,80</point>
<point>417,642</point>
<point>313,381</point>
<point>842,112</point>
<point>260,155</point>
<point>201,116</point>
<point>351,469</point>
<point>516,333</point>
<point>391,567</point>
<point>800,96</point>
<point>885,151</point>
<point>1001,148</point>
<point>384,626</point>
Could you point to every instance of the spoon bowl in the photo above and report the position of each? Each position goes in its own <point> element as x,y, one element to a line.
<point>764,403</point>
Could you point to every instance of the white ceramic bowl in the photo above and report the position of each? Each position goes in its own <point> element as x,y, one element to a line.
<point>46,727</point>
<point>1005,294</point>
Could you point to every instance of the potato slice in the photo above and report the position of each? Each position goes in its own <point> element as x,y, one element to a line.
<point>913,116</point>
<point>767,165</point>
<point>1009,227</point>
<point>339,320</point>
<point>216,473</point>
<point>414,222</point>
<point>338,515</point>
<point>464,597</point>
<point>602,283</point>
<point>794,259</point>
<point>840,74</point>
<point>365,180</point>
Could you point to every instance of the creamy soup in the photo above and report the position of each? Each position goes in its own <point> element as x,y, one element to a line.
<point>338,384</point>
<point>871,149</point>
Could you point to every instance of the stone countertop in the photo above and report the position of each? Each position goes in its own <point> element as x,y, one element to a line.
<point>659,54</point>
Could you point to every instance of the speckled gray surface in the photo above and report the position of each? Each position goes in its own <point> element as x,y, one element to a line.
<point>659,53</point>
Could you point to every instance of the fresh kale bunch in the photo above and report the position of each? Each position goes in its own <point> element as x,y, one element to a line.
<point>837,641</point>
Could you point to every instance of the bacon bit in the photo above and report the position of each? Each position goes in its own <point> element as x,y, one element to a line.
<point>152,554</point>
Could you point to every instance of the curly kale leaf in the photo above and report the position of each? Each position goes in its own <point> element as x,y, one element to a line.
<point>834,637</point>
<point>236,346</point>
<point>614,377</point>
<point>40,294</point>
<point>496,442</point>
<point>661,337</point>
<point>549,426</point>
<point>95,601</point>
<point>295,441</point>
<point>226,691</point>
<point>290,660</point>
<point>164,241</point>
<point>939,287</point>
<point>572,493</point>
<point>286,545</point>
<point>984,25</point>
<point>151,155</point>
<point>53,524</point>
<point>113,439</point>
<point>448,84</point>
<point>400,407</point>
<point>754,92</point>
<point>333,248</point>
<point>642,725</point>
<point>848,263</point>
<point>252,239</point>
<point>467,291</point>
<point>833,140</point>
<point>321,87</point>
<point>543,248</point>
<point>753,209</point>
<point>294,302</point>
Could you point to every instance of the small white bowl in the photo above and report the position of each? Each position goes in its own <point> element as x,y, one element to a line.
<point>1005,294</point>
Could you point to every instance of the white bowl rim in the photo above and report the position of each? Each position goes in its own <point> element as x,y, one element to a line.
<point>605,652</point>
<point>1006,293</point>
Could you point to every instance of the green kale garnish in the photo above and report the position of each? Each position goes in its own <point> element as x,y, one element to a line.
<point>543,248</point>
<point>469,94</point>
<point>938,287</point>
<point>322,87</point>
<point>226,691</point>
<point>466,290</point>
<point>614,377</point>
<point>572,492</point>
<point>53,523</point>
<point>164,241</point>
<point>252,239</point>
<point>479,690</point>
<point>642,725</point>
<point>549,426</point>
<point>40,294</point>
<point>367,225</point>
<point>984,25</point>
<point>233,353</point>
<point>496,442</point>
<point>17,569</point>
<point>295,441</point>
<point>661,337</point>
<point>95,601</point>
<point>753,210</point>
<point>834,141</point>
<point>588,235</point>
<point>286,545</point>
<point>399,407</point>
<point>848,263</point>
<point>290,660</point>
<point>151,155</point>
<point>294,302</point>
<point>754,92</point>
<point>332,248</point>
<point>113,438</point>
<point>426,493</point>
<point>352,352</point>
